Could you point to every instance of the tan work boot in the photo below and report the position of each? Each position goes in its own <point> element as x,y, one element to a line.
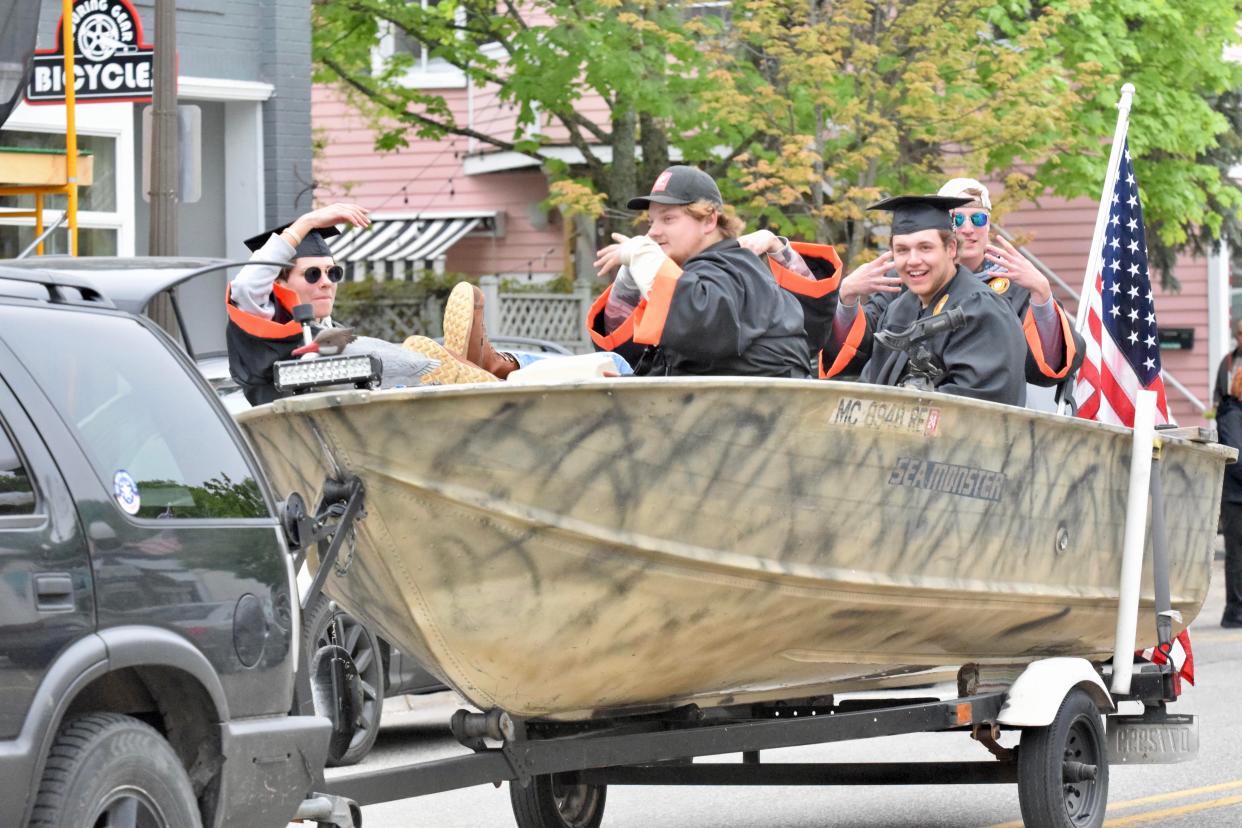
<point>465,335</point>
<point>452,369</point>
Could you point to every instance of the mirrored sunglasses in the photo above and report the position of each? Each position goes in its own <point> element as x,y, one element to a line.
<point>977,219</point>
<point>335,273</point>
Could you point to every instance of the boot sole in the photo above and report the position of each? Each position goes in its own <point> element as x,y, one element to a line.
<point>460,320</point>
<point>451,370</point>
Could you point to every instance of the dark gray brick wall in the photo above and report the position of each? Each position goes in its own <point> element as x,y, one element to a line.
<point>251,40</point>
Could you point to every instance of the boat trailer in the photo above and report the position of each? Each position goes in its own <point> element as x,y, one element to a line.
<point>559,772</point>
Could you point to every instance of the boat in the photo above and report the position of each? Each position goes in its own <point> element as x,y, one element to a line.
<point>619,546</point>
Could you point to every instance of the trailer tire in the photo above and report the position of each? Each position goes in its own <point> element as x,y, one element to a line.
<point>105,767</point>
<point>363,649</point>
<point>1048,755</point>
<point>547,803</point>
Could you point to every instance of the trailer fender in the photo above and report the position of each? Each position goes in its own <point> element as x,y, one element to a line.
<point>1035,697</point>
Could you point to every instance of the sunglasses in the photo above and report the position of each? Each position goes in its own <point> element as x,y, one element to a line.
<point>335,273</point>
<point>977,219</point>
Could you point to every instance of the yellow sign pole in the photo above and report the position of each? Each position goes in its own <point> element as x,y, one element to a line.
<point>71,134</point>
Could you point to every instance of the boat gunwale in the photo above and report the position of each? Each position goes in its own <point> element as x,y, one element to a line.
<point>324,400</point>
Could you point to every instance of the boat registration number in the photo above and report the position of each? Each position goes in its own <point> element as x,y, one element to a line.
<point>1133,740</point>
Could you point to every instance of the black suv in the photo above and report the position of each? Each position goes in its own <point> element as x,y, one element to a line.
<point>187,295</point>
<point>149,626</point>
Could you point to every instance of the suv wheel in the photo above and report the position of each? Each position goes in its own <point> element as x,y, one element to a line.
<point>108,769</point>
<point>323,629</point>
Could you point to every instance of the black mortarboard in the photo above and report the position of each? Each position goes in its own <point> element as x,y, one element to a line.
<point>912,213</point>
<point>312,245</point>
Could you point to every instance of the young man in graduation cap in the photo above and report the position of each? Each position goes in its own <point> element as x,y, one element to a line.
<point>261,297</point>
<point>983,359</point>
<point>1054,348</point>
<point>688,298</point>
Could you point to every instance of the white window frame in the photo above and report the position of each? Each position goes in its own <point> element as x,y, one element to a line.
<point>427,72</point>
<point>107,120</point>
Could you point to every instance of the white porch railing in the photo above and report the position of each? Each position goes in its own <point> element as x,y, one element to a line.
<point>558,317</point>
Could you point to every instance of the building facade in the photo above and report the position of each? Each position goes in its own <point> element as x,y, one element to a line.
<point>246,66</point>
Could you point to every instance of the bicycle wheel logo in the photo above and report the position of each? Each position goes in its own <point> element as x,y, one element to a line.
<point>98,37</point>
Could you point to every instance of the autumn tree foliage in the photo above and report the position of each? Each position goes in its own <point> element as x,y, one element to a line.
<point>808,110</point>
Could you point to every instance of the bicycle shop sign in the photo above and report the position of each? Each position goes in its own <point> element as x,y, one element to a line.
<point>111,60</point>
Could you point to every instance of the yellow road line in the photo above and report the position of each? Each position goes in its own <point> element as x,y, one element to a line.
<point>1156,798</point>
<point>1180,810</point>
<point>1165,797</point>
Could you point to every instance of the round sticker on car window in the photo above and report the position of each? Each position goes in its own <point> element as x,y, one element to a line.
<point>126,492</point>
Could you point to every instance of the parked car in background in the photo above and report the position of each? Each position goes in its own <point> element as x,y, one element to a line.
<point>186,297</point>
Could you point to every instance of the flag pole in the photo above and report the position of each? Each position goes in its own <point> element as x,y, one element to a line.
<point>1095,259</point>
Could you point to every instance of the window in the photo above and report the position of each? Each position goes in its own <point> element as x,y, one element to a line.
<point>427,72</point>
<point>722,11</point>
<point>143,422</point>
<point>97,204</point>
<point>17,494</point>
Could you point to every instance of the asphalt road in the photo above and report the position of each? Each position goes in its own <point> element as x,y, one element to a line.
<point>1206,792</point>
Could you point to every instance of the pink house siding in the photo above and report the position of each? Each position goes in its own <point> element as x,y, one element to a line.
<point>428,176</point>
<point>1059,234</point>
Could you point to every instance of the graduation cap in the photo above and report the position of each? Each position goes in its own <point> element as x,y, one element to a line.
<point>912,213</point>
<point>312,245</point>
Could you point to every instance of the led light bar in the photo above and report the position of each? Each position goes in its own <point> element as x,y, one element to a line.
<point>298,375</point>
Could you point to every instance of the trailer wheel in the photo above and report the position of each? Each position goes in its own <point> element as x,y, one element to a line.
<point>363,649</point>
<point>1063,768</point>
<point>109,769</point>
<point>549,803</point>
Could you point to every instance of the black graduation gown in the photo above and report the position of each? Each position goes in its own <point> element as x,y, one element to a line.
<point>722,314</point>
<point>817,297</point>
<point>982,359</point>
<point>256,344</point>
<point>847,360</point>
<point>1038,370</point>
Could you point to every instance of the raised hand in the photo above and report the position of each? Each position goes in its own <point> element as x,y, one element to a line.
<point>761,242</point>
<point>870,278</point>
<point>1019,269</point>
<point>608,259</point>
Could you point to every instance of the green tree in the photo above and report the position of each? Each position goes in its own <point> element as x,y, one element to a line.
<point>1184,121</point>
<point>811,109</point>
<point>639,57</point>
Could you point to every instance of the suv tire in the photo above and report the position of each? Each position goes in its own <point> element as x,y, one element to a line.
<point>116,768</point>
<point>363,648</point>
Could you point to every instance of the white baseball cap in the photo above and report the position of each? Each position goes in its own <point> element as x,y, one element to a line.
<point>968,187</point>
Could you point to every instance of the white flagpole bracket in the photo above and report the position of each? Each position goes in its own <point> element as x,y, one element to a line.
<point>1134,541</point>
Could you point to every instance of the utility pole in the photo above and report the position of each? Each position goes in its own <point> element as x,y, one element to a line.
<point>164,138</point>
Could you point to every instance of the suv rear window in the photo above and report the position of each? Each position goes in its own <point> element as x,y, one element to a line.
<point>145,425</point>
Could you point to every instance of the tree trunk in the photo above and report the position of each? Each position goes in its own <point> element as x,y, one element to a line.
<point>654,141</point>
<point>623,177</point>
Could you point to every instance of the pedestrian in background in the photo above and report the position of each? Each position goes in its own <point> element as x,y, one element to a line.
<point>1229,429</point>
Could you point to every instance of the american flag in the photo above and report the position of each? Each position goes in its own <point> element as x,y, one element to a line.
<point>1123,348</point>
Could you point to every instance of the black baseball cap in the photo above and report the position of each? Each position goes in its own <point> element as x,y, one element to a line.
<point>912,213</point>
<point>312,245</point>
<point>679,185</point>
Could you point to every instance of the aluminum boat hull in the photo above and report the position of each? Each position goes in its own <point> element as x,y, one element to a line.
<point>622,545</point>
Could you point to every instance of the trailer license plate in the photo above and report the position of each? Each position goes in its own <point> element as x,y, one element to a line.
<point>1134,740</point>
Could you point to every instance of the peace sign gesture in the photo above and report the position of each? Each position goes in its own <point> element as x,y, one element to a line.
<point>1019,269</point>
<point>869,278</point>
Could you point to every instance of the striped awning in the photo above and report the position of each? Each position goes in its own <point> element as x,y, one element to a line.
<point>404,239</point>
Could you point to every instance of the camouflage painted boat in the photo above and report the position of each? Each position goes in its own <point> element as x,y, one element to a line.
<point>624,545</point>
